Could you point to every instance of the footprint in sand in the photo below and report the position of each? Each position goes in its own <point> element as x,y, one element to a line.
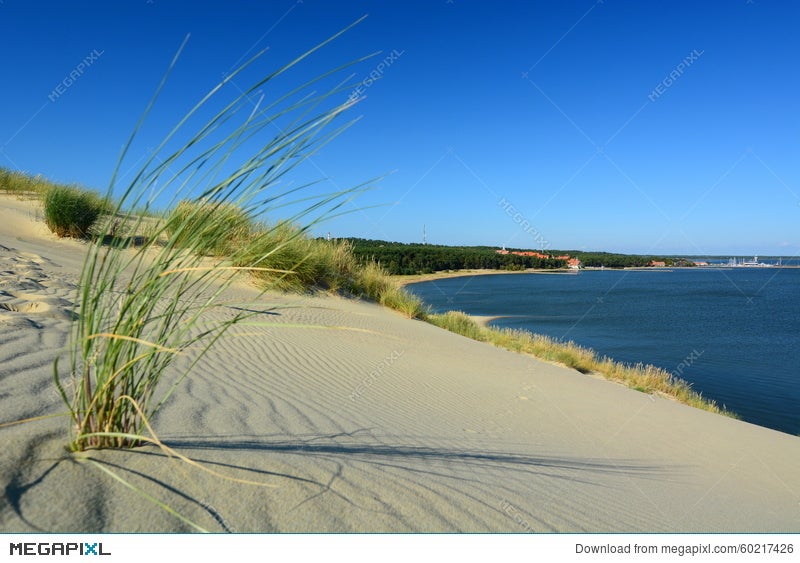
<point>27,293</point>
<point>31,307</point>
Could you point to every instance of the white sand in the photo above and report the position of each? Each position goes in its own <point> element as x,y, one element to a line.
<point>368,421</point>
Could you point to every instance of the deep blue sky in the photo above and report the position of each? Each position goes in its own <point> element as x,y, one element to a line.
<point>551,107</point>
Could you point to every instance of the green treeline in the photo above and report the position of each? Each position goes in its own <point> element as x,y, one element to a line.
<point>611,260</point>
<point>408,259</point>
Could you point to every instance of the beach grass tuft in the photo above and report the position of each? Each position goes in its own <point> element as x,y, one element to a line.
<point>70,211</point>
<point>142,307</point>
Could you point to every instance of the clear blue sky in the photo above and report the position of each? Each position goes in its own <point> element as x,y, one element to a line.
<point>564,110</point>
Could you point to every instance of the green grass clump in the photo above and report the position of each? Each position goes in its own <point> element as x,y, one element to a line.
<point>642,377</point>
<point>71,212</point>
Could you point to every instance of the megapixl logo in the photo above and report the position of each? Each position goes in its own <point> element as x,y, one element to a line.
<point>42,548</point>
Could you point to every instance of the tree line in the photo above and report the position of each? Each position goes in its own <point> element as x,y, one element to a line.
<point>408,259</point>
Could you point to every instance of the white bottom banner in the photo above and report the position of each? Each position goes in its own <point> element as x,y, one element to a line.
<point>414,548</point>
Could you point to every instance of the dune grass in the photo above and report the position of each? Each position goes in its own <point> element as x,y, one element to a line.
<point>21,184</point>
<point>374,282</point>
<point>141,308</point>
<point>70,211</point>
<point>211,229</point>
<point>283,256</point>
<point>642,377</point>
<point>315,264</point>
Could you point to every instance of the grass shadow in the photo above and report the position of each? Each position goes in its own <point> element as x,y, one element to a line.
<point>322,446</point>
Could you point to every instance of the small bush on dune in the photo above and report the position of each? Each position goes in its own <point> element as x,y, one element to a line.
<point>400,300</point>
<point>372,281</point>
<point>71,211</point>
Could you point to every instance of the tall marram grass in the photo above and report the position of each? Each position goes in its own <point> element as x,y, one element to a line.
<point>645,378</point>
<point>141,308</point>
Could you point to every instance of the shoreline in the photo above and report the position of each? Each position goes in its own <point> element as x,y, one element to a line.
<point>404,280</point>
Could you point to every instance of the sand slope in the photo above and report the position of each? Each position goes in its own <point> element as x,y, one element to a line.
<point>366,421</point>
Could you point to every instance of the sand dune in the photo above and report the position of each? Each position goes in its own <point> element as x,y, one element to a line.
<point>361,420</point>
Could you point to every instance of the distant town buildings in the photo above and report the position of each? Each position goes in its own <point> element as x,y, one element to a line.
<point>572,263</point>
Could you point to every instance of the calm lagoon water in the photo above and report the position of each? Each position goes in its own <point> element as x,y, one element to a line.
<point>733,333</point>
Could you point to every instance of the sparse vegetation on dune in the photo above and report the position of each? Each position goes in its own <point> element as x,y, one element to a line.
<point>374,282</point>
<point>23,184</point>
<point>279,256</point>
<point>211,229</point>
<point>283,256</point>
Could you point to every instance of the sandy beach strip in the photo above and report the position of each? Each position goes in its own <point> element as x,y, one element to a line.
<point>418,278</point>
<point>361,420</point>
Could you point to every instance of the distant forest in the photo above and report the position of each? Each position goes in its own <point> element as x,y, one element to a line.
<point>407,259</point>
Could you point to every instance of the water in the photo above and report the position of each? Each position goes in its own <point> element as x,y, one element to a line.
<point>733,333</point>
